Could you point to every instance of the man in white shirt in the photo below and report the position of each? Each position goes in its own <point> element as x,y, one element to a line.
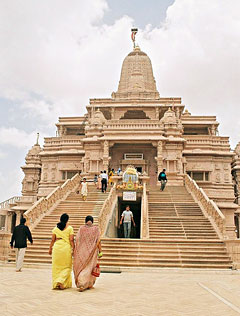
<point>104,181</point>
<point>127,218</point>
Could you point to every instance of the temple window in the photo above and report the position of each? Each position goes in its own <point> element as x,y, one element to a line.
<point>68,174</point>
<point>195,130</point>
<point>134,115</point>
<point>2,221</point>
<point>199,175</point>
<point>107,114</point>
<point>75,131</point>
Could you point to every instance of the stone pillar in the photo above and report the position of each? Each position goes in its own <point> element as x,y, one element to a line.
<point>19,215</point>
<point>159,157</point>
<point>112,113</point>
<point>228,210</point>
<point>8,223</point>
<point>4,245</point>
<point>86,165</point>
<point>106,155</point>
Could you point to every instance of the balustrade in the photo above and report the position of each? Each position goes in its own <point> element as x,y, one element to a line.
<point>207,140</point>
<point>209,207</point>
<point>63,141</point>
<point>42,206</point>
<point>107,209</point>
<point>7,203</point>
<point>144,214</point>
<point>131,126</point>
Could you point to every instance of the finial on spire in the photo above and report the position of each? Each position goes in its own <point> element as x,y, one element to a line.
<point>133,35</point>
<point>37,139</point>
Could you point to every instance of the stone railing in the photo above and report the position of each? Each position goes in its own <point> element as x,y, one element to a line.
<point>45,204</point>
<point>144,215</point>
<point>64,141</point>
<point>7,203</point>
<point>207,140</point>
<point>106,212</point>
<point>209,207</point>
<point>132,126</point>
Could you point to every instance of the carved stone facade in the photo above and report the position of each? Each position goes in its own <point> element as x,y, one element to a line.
<point>136,122</point>
<point>32,171</point>
<point>236,173</point>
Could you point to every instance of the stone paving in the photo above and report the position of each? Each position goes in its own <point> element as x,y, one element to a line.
<point>165,292</point>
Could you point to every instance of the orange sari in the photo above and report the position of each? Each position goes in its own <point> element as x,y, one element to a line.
<point>85,256</point>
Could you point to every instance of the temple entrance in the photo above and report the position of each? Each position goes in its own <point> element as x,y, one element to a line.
<point>135,207</point>
<point>140,155</point>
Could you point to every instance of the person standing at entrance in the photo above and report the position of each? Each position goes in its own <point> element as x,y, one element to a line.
<point>19,238</point>
<point>126,219</point>
<point>104,181</point>
<point>163,179</point>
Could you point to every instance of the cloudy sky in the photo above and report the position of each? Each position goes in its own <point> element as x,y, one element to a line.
<point>56,54</point>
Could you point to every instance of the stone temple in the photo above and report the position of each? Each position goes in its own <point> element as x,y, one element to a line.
<point>193,223</point>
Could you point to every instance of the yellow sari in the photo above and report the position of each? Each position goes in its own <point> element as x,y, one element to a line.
<point>110,177</point>
<point>62,258</point>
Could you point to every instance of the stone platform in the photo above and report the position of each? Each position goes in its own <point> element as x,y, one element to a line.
<point>169,292</point>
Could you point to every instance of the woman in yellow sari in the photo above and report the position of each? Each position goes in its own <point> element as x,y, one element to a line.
<point>61,248</point>
<point>111,173</point>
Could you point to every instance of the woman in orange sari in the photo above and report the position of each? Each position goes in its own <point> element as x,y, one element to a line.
<point>87,250</point>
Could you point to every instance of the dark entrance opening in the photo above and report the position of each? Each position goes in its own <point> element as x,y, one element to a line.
<point>135,207</point>
<point>236,220</point>
<point>139,169</point>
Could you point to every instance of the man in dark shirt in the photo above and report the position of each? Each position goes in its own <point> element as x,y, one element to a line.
<point>163,179</point>
<point>19,237</point>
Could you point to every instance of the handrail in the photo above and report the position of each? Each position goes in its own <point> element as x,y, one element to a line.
<point>144,215</point>
<point>42,206</point>
<point>7,203</point>
<point>209,207</point>
<point>106,211</point>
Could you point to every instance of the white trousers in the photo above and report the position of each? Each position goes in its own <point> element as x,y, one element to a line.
<point>20,252</point>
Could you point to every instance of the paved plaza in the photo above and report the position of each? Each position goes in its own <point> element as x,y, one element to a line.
<point>166,292</point>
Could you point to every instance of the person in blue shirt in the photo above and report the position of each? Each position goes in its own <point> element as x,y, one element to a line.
<point>163,179</point>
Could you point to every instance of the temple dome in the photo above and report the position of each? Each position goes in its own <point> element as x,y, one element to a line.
<point>137,80</point>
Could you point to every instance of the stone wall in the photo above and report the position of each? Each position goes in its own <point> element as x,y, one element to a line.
<point>4,245</point>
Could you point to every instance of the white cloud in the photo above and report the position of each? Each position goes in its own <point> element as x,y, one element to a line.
<point>13,180</point>
<point>58,56</point>
<point>3,154</point>
<point>196,56</point>
<point>17,138</point>
<point>53,61</point>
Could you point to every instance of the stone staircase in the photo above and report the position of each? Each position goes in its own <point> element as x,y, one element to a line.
<point>180,235</point>
<point>155,253</point>
<point>174,214</point>
<point>77,211</point>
